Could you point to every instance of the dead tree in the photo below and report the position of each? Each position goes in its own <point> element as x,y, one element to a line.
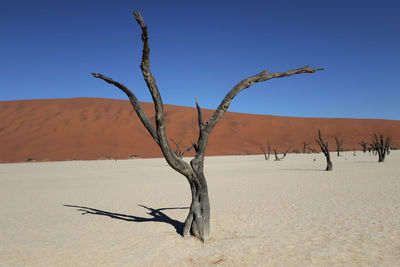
<point>267,156</point>
<point>381,145</point>
<point>178,151</point>
<point>265,153</point>
<point>277,158</point>
<point>338,145</point>
<point>284,153</point>
<point>197,222</point>
<point>276,155</point>
<point>325,149</point>
<point>364,146</point>
<point>305,145</point>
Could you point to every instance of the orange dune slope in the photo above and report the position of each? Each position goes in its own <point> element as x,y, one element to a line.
<point>92,128</point>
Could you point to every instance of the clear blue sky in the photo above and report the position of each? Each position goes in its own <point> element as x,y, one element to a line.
<point>203,48</point>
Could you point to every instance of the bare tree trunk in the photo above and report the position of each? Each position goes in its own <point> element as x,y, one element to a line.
<point>265,154</point>
<point>329,165</point>
<point>338,145</point>
<point>276,156</point>
<point>305,145</point>
<point>324,147</point>
<point>198,221</point>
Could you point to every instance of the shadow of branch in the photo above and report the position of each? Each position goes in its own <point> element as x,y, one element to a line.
<point>157,215</point>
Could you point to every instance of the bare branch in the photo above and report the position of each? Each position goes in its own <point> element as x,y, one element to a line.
<point>321,143</point>
<point>246,83</point>
<point>199,115</point>
<point>178,151</point>
<point>186,150</point>
<point>195,147</point>
<point>172,159</point>
<point>135,103</point>
<point>284,153</point>
<point>159,133</point>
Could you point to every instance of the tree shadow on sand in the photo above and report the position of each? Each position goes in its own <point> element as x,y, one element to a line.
<point>157,216</point>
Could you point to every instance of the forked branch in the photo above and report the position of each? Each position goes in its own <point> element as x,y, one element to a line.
<point>159,133</point>
<point>178,150</point>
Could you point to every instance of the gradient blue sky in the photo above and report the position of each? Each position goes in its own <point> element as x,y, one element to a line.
<point>203,48</point>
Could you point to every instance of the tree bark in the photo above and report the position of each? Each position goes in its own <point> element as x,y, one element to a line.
<point>197,222</point>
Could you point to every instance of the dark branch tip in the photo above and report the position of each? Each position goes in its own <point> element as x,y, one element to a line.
<point>139,19</point>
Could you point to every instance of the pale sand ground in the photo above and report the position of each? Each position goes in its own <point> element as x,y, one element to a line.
<point>264,213</point>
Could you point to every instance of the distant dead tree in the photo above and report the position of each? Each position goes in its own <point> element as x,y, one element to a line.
<point>276,155</point>
<point>381,146</point>
<point>269,151</point>
<point>197,222</point>
<point>364,146</point>
<point>305,145</point>
<point>178,151</point>
<point>277,158</point>
<point>338,145</point>
<point>284,153</point>
<point>325,149</point>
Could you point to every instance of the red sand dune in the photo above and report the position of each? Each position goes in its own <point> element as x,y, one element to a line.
<point>92,128</point>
